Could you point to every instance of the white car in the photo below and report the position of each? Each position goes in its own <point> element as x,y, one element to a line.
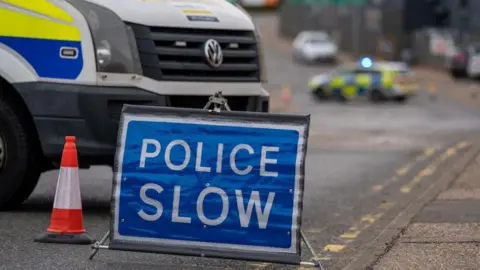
<point>314,46</point>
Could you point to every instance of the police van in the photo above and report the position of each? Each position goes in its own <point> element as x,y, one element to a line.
<point>378,82</point>
<point>67,68</point>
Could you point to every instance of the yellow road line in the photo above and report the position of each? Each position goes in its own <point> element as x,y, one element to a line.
<point>462,145</point>
<point>355,230</point>
<point>350,235</point>
<point>371,218</point>
<point>431,168</point>
<point>405,169</point>
<point>334,248</point>
<point>427,152</point>
<point>386,205</point>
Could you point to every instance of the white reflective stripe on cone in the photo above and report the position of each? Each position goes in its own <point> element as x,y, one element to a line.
<point>67,195</point>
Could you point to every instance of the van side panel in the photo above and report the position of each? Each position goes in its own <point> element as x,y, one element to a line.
<point>88,75</point>
<point>42,41</point>
<point>14,68</point>
<point>52,46</point>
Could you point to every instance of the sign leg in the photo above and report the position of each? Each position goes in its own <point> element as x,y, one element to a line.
<point>96,245</point>
<point>310,248</point>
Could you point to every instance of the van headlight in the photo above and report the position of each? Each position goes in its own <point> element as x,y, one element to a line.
<point>115,47</point>
<point>104,53</point>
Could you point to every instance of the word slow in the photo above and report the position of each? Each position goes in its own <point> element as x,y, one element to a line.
<point>244,212</point>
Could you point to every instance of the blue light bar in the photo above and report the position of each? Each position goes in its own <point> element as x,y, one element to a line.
<point>366,62</point>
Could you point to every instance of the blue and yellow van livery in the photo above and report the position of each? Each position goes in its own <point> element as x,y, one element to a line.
<point>44,36</point>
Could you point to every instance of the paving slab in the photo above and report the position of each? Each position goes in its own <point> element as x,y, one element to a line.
<point>460,194</point>
<point>405,256</point>
<point>450,211</point>
<point>470,178</point>
<point>442,233</point>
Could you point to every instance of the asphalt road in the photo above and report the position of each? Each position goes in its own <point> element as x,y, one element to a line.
<point>361,165</point>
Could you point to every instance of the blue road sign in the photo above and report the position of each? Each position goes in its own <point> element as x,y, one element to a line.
<point>209,183</point>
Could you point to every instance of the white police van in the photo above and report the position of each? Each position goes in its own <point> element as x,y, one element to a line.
<point>67,68</point>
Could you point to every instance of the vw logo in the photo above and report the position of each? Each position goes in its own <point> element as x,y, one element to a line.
<point>213,53</point>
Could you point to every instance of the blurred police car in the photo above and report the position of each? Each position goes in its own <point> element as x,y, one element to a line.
<point>314,46</point>
<point>376,81</point>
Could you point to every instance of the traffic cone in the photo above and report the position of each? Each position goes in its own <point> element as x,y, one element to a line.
<point>286,95</point>
<point>66,222</point>
<point>432,91</point>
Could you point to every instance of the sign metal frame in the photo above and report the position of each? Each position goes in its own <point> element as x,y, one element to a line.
<point>220,106</point>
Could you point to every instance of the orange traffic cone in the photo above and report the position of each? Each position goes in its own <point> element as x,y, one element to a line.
<point>286,95</point>
<point>66,222</point>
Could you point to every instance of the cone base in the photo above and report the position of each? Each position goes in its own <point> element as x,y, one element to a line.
<point>59,238</point>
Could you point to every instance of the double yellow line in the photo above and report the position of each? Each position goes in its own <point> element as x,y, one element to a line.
<point>432,167</point>
<point>367,220</point>
<point>354,231</point>
<point>402,171</point>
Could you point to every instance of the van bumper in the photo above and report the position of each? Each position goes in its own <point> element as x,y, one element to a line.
<point>92,113</point>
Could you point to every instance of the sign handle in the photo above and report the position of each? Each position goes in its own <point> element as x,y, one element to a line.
<point>219,103</point>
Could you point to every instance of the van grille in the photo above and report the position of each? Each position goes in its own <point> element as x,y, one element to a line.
<point>177,54</point>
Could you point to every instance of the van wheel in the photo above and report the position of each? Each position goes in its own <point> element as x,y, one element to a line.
<point>400,99</point>
<point>319,94</point>
<point>376,96</point>
<point>19,171</point>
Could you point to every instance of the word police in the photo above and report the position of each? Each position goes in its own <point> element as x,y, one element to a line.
<point>199,167</point>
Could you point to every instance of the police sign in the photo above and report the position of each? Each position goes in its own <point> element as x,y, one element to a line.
<point>225,185</point>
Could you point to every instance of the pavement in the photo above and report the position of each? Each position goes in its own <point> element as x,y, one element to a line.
<point>445,234</point>
<point>365,165</point>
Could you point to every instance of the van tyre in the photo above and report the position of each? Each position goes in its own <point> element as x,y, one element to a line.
<point>319,94</point>
<point>376,96</point>
<point>19,172</point>
<point>458,74</point>
<point>400,99</point>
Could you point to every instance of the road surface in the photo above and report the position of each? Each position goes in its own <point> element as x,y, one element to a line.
<point>364,164</point>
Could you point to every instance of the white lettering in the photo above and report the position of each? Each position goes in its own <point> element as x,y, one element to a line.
<point>186,159</point>
<point>198,162</point>
<point>144,155</point>
<point>201,214</point>
<point>219,157</point>
<point>150,201</point>
<point>245,215</point>
<point>176,206</point>
<point>264,160</point>
<point>233,165</point>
